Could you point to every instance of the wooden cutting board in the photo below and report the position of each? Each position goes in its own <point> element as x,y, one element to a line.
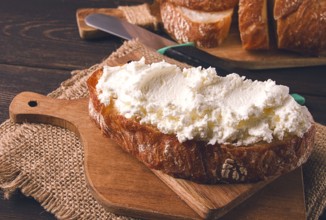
<point>125,186</point>
<point>231,49</point>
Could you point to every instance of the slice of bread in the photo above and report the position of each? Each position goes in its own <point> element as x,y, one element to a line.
<point>196,160</point>
<point>206,5</point>
<point>253,24</point>
<point>205,29</point>
<point>298,28</point>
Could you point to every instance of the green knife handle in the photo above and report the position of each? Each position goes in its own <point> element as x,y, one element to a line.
<point>196,57</point>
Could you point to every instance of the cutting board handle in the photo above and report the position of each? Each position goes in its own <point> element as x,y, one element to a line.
<point>115,179</point>
<point>35,108</point>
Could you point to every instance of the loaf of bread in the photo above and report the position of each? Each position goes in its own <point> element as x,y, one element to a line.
<point>203,150</point>
<point>299,25</point>
<point>205,29</point>
<point>253,24</point>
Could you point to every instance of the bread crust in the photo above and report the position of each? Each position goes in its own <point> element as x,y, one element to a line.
<point>283,8</point>
<point>183,30</point>
<point>195,160</point>
<point>206,5</point>
<point>253,24</point>
<point>300,30</point>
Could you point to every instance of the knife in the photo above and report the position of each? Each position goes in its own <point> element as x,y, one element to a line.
<point>186,53</point>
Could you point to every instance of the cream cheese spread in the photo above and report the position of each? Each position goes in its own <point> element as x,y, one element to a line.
<point>196,103</point>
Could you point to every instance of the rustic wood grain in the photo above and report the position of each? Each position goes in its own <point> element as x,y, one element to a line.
<point>16,79</point>
<point>212,201</point>
<point>45,34</point>
<point>86,32</point>
<point>289,203</point>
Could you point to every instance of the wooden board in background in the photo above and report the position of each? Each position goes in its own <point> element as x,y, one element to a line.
<point>87,32</point>
<point>126,187</point>
<point>230,50</point>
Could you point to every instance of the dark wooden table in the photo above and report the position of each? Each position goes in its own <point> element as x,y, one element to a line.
<point>40,46</point>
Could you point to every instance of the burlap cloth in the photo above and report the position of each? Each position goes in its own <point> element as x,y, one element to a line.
<point>46,162</point>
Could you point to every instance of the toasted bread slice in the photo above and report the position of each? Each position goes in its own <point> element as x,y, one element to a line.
<point>206,5</point>
<point>196,160</point>
<point>253,24</point>
<point>205,29</point>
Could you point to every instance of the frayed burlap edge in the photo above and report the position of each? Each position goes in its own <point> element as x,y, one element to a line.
<point>314,176</point>
<point>11,178</point>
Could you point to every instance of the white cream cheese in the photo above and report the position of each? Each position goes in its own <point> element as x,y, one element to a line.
<point>196,103</point>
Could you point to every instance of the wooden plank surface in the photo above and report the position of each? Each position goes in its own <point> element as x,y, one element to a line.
<point>45,34</point>
<point>87,32</point>
<point>289,203</point>
<point>116,181</point>
<point>39,80</point>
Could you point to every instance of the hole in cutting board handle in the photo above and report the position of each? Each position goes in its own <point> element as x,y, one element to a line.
<point>32,103</point>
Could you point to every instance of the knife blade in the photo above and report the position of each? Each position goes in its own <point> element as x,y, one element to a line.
<point>187,54</point>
